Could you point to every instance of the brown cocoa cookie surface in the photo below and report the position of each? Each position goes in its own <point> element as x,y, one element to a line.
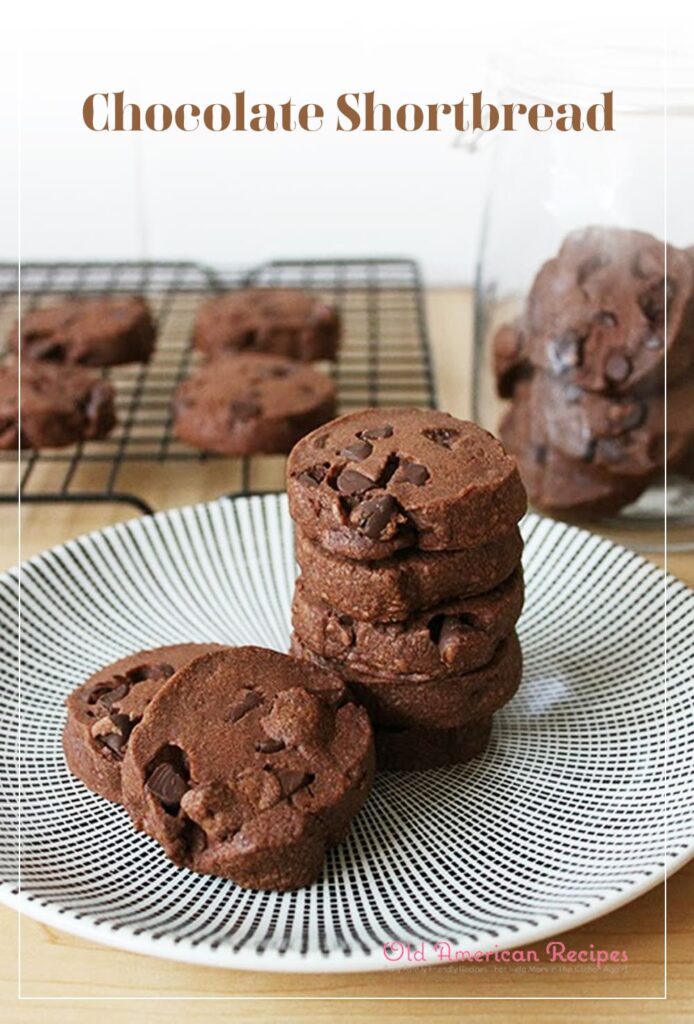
<point>452,638</point>
<point>59,406</point>
<point>87,332</point>
<point>443,703</point>
<point>420,749</point>
<point>622,433</point>
<point>377,481</point>
<point>240,405</point>
<point>557,483</point>
<point>248,764</point>
<point>595,315</point>
<point>275,320</point>
<point>396,587</point>
<point>103,712</point>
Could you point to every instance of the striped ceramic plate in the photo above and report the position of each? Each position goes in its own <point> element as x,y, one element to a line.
<point>582,801</point>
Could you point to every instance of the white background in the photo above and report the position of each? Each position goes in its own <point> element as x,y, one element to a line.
<point>233,199</point>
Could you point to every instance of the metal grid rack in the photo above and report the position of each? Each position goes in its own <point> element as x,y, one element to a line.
<point>384,360</point>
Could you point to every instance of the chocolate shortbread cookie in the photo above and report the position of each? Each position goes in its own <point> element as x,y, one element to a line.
<point>88,332</point>
<point>275,320</point>
<point>595,315</point>
<point>59,406</point>
<point>379,480</point>
<point>395,588</point>
<point>419,749</point>
<point>453,638</point>
<point>443,703</point>
<point>557,483</point>
<point>103,712</point>
<point>621,433</point>
<point>248,764</point>
<point>240,405</point>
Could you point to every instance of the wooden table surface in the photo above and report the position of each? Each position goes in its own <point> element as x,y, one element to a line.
<point>60,973</point>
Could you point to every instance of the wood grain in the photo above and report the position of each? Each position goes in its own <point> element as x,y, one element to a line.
<point>68,970</point>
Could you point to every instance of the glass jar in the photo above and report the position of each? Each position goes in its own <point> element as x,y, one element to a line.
<point>597,443</point>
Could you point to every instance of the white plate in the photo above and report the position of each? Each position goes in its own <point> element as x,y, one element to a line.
<point>581,803</point>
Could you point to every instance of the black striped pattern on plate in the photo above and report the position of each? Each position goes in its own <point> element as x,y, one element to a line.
<point>582,799</point>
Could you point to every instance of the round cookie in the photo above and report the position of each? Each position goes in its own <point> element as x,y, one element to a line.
<point>420,749</point>
<point>557,483</point>
<point>620,433</point>
<point>59,406</point>
<point>376,481</point>
<point>443,703</point>
<point>241,405</point>
<point>103,712</point>
<point>595,315</point>
<point>449,639</point>
<point>88,332</point>
<point>395,588</point>
<point>248,764</point>
<point>280,321</point>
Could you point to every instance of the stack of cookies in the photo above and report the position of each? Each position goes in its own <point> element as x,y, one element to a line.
<point>584,368</point>
<point>411,583</point>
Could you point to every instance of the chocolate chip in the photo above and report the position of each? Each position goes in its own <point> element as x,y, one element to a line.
<point>110,697</point>
<point>114,742</point>
<point>375,514</point>
<point>413,473</point>
<point>167,785</point>
<point>605,318</point>
<point>376,433</point>
<point>117,740</point>
<point>351,482</point>
<point>292,781</point>
<point>244,410</point>
<point>566,351</point>
<point>156,671</point>
<point>617,368</point>
<point>441,435</point>
<point>312,476</point>
<point>357,451</point>
<point>123,724</point>
<point>245,702</point>
<point>540,454</point>
<point>450,639</point>
<point>389,470</point>
<point>269,746</point>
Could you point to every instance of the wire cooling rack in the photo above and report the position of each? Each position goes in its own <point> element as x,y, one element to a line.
<point>384,360</point>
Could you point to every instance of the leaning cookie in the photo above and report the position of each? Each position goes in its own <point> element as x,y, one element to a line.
<point>446,702</point>
<point>246,404</point>
<point>557,483</point>
<point>248,765</point>
<point>377,481</point>
<point>596,314</point>
<point>420,749</point>
<point>279,321</point>
<point>456,637</point>
<point>87,332</point>
<point>59,406</point>
<point>103,712</point>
